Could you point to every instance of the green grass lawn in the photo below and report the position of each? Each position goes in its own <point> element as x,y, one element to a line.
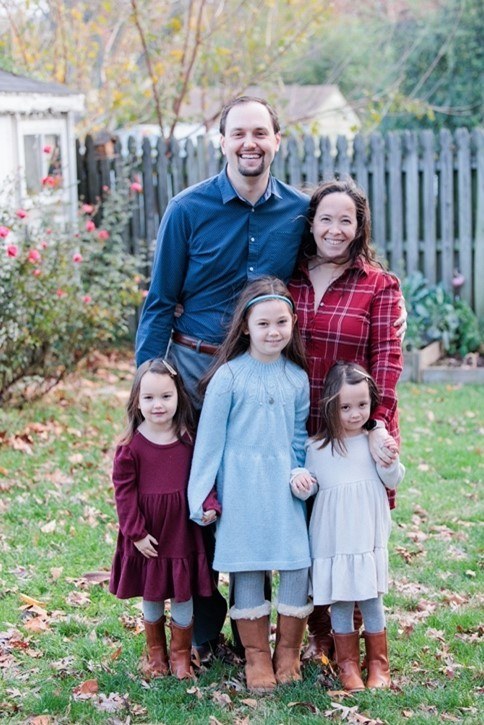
<point>69,651</point>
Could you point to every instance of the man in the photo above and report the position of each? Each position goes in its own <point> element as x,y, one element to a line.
<point>213,238</point>
<point>217,235</point>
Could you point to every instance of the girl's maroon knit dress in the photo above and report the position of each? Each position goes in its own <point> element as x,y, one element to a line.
<point>150,482</point>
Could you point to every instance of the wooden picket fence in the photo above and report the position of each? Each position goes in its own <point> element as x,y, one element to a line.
<point>426,191</point>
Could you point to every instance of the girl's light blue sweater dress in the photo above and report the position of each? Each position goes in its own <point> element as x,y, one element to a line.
<point>251,434</point>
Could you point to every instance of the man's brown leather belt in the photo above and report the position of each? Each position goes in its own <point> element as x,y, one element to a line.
<point>194,344</point>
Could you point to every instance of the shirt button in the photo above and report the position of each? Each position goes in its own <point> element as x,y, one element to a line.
<point>251,269</point>
<point>252,239</point>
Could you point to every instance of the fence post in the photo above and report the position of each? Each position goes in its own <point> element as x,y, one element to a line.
<point>148,191</point>
<point>326,162</point>
<point>360,162</point>
<point>161,170</point>
<point>92,180</point>
<point>478,139</point>
<point>464,215</point>
<point>411,206</point>
<point>395,201</point>
<point>310,161</point>
<point>429,206</point>
<point>446,166</point>
<point>342,159</point>
<point>377,190</point>
<point>293,163</point>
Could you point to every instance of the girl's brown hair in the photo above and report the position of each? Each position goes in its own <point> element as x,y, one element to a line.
<point>184,418</point>
<point>330,429</point>
<point>237,341</point>
<point>361,246</point>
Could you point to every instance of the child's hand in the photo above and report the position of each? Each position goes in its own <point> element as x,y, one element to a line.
<point>145,546</point>
<point>302,482</point>
<point>209,516</point>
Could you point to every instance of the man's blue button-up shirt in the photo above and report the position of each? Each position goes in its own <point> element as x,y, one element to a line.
<point>210,243</point>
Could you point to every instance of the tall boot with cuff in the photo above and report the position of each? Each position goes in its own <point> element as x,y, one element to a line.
<point>253,627</point>
<point>291,623</point>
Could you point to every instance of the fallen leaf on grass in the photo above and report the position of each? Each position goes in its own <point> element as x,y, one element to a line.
<point>49,527</point>
<point>21,443</point>
<point>250,703</point>
<point>455,600</point>
<point>214,720</point>
<point>337,694</point>
<point>85,690</point>
<point>31,601</point>
<point>76,458</point>
<point>306,705</point>
<point>110,703</point>
<point>37,624</point>
<point>96,577</point>
<point>222,699</point>
<point>78,599</point>
<point>41,720</point>
<point>195,691</point>
<point>116,654</point>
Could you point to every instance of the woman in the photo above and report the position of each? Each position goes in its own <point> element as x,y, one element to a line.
<point>347,306</point>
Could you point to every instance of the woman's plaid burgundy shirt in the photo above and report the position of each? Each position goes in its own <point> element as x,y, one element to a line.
<point>354,323</point>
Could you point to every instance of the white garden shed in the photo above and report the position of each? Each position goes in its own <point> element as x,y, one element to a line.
<point>38,152</point>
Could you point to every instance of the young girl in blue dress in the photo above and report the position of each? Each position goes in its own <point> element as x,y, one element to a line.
<point>250,436</point>
<point>160,553</point>
<point>350,521</point>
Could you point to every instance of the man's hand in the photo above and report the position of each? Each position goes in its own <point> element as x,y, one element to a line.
<point>146,546</point>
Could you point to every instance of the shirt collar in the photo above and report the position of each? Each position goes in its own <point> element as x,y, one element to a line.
<point>359,264</point>
<point>228,192</point>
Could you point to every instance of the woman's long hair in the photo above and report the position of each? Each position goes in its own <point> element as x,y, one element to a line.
<point>237,340</point>
<point>184,418</point>
<point>330,429</point>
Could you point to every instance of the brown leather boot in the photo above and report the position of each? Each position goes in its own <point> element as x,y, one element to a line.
<point>347,651</point>
<point>155,661</point>
<point>180,651</point>
<point>320,638</point>
<point>259,673</point>
<point>286,660</point>
<point>377,659</point>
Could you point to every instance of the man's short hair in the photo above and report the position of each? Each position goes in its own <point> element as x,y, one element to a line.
<point>247,99</point>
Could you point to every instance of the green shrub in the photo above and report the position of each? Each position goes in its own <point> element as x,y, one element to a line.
<point>433,314</point>
<point>64,292</point>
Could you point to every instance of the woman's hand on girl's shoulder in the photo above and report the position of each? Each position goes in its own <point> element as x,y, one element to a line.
<point>383,447</point>
<point>146,546</point>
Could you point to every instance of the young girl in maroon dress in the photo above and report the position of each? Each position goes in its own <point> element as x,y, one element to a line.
<point>160,553</point>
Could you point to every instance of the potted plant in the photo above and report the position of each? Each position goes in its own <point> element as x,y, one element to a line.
<point>438,325</point>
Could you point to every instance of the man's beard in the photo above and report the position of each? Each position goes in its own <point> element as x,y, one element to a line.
<point>257,171</point>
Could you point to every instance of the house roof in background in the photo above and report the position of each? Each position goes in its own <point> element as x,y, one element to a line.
<point>24,94</point>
